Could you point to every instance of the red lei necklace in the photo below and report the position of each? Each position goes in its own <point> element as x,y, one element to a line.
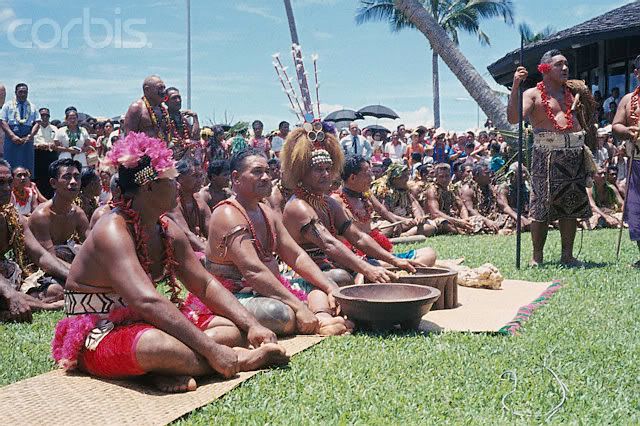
<point>634,106</point>
<point>22,197</point>
<point>357,214</point>
<point>140,240</point>
<point>567,102</point>
<point>317,203</point>
<point>155,120</point>
<point>173,129</point>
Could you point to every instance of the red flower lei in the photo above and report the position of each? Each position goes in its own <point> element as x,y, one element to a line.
<point>567,102</point>
<point>173,129</point>
<point>633,105</point>
<point>154,118</point>
<point>357,214</point>
<point>140,240</point>
<point>22,198</point>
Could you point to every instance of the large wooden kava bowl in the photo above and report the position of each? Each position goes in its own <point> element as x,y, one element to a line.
<point>443,279</point>
<point>386,305</point>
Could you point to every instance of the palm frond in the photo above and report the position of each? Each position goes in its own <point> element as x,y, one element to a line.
<point>384,11</point>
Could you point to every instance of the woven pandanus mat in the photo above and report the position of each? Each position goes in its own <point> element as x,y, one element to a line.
<point>58,398</point>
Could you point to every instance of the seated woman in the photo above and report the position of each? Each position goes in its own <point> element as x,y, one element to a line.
<point>26,196</point>
<point>118,324</point>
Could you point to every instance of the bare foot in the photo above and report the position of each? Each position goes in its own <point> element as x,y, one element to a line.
<point>52,306</point>
<point>572,262</point>
<point>266,355</point>
<point>331,326</point>
<point>534,263</point>
<point>174,384</point>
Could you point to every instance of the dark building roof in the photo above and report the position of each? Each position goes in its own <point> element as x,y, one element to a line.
<point>621,22</point>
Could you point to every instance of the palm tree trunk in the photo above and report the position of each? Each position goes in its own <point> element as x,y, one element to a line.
<point>442,45</point>
<point>302,79</point>
<point>436,89</point>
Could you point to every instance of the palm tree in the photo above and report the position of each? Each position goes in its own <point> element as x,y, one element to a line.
<point>530,37</point>
<point>451,15</point>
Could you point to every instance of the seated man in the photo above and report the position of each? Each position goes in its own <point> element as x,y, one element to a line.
<point>87,198</point>
<point>24,288</point>
<point>218,188</point>
<point>480,201</point>
<point>118,324</point>
<point>114,190</point>
<point>58,224</point>
<point>444,205</point>
<point>315,220</point>
<point>191,214</point>
<point>407,217</point>
<point>360,205</point>
<point>244,238</point>
<point>606,202</point>
<point>507,197</point>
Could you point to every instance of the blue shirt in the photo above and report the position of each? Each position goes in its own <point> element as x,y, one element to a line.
<point>441,155</point>
<point>22,110</point>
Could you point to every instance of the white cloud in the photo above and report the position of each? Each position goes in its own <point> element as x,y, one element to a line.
<point>256,10</point>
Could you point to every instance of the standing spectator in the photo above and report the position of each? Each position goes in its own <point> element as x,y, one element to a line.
<point>45,153</point>
<point>217,147</point>
<point>396,148</point>
<point>496,161</point>
<point>259,141</point>
<point>355,144</point>
<point>402,133</point>
<point>416,145</point>
<point>597,96</point>
<point>441,151</point>
<point>19,121</point>
<point>608,116</point>
<point>615,97</point>
<point>72,141</point>
<point>277,143</point>
<point>602,154</point>
<point>377,141</point>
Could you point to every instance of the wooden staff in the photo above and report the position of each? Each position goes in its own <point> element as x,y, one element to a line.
<point>392,224</point>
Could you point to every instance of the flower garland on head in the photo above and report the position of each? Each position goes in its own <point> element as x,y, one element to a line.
<point>568,114</point>
<point>128,153</point>
<point>544,68</point>
<point>155,121</point>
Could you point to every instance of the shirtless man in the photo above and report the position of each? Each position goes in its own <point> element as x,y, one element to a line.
<point>58,224</point>
<point>507,197</point>
<point>191,214</point>
<point>315,220</point>
<point>480,200</point>
<point>140,331</point>
<point>606,203</point>
<point>393,191</point>
<point>625,126</point>
<point>19,296</point>
<point>444,205</point>
<point>244,237</point>
<point>102,210</point>
<point>218,188</point>
<point>147,115</point>
<point>559,165</point>
<point>184,136</point>
<point>360,204</point>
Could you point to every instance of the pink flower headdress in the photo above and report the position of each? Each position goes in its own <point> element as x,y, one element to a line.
<point>130,151</point>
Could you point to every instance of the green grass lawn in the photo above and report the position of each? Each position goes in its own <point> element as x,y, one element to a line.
<point>588,334</point>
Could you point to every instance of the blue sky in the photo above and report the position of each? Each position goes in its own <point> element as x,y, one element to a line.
<point>232,44</point>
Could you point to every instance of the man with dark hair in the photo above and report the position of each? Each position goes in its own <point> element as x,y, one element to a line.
<point>274,170</point>
<point>443,204</point>
<point>191,214</point>
<point>507,197</point>
<point>218,189</point>
<point>19,120</point>
<point>58,224</point>
<point>560,163</point>
<point>481,202</point>
<point>133,329</point>
<point>148,114</point>
<point>360,205</point>
<point>23,287</point>
<point>115,197</point>
<point>245,236</point>
<point>626,126</point>
<point>259,141</point>
<point>45,152</point>
<point>183,136</point>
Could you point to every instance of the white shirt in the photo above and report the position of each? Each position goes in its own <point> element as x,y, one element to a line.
<point>62,137</point>
<point>277,143</point>
<point>395,152</point>
<point>608,101</point>
<point>363,146</point>
<point>45,135</point>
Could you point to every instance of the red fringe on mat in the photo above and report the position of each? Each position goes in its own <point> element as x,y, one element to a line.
<point>525,312</point>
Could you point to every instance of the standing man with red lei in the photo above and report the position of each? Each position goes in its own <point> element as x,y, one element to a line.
<point>561,163</point>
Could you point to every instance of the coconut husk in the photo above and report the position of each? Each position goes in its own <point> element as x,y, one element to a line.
<point>585,110</point>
